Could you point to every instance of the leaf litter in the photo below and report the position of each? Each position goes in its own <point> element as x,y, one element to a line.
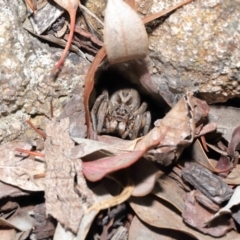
<point>196,194</point>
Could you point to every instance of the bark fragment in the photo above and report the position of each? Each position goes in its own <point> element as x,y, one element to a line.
<point>206,182</point>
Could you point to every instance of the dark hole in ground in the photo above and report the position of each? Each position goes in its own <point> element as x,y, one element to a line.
<point>112,80</point>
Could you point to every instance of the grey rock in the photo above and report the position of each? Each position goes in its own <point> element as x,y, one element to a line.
<point>25,83</point>
<point>197,49</point>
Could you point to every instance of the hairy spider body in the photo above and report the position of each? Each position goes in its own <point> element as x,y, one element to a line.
<point>122,114</point>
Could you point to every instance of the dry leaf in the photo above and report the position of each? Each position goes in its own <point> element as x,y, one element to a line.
<point>87,146</point>
<point>199,156</point>
<point>178,126</point>
<point>84,33</point>
<point>167,189</point>
<point>7,190</point>
<point>65,198</point>
<point>89,84</point>
<point>156,214</point>
<point>70,6</point>
<point>21,221</point>
<point>141,231</point>
<point>123,29</point>
<point>8,234</point>
<point>144,175</point>
<point>195,215</point>
<point>96,170</point>
<point>233,177</point>
<point>234,200</point>
<point>19,171</point>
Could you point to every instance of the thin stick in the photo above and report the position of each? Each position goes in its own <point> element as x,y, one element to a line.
<point>160,14</point>
<point>35,154</point>
<point>40,175</point>
<point>39,132</point>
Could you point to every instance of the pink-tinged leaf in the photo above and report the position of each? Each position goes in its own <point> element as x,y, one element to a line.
<point>157,214</point>
<point>96,170</point>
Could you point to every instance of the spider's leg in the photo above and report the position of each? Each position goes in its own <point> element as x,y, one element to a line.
<point>101,115</point>
<point>126,133</point>
<point>96,107</point>
<point>136,127</point>
<point>141,110</point>
<point>146,122</point>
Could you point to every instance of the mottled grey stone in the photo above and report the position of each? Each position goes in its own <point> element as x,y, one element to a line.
<point>197,49</point>
<point>25,64</point>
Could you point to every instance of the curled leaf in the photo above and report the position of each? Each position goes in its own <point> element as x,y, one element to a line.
<point>96,170</point>
<point>144,175</point>
<point>125,37</point>
<point>156,214</point>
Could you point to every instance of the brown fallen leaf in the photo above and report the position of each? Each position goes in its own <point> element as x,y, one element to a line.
<point>179,128</point>
<point>89,84</point>
<point>196,216</point>
<point>233,177</point>
<point>70,6</point>
<point>8,234</point>
<point>156,214</point>
<point>21,221</point>
<point>167,189</point>
<point>88,147</point>
<point>199,156</point>
<point>18,170</point>
<point>7,190</point>
<point>140,230</point>
<point>100,195</point>
<point>144,175</point>
<point>83,32</point>
<point>65,198</point>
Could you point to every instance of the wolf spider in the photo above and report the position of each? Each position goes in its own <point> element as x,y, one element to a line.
<point>122,114</point>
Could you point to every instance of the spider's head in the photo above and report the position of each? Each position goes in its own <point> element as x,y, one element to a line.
<point>121,112</point>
